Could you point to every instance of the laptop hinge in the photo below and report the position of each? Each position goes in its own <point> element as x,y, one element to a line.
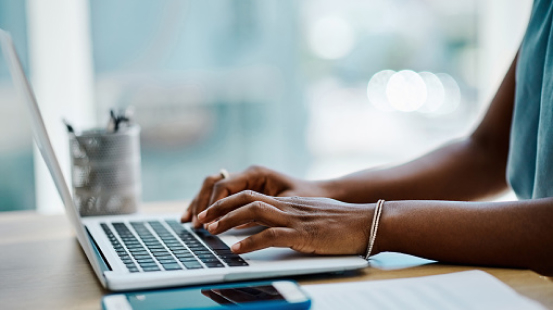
<point>104,265</point>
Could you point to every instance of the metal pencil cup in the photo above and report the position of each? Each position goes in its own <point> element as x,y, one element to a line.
<point>105,168</point>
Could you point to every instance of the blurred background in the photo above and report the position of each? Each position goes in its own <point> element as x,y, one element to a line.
<point>316,89</point>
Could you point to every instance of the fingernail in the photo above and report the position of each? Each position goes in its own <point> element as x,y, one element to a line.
<point>195,221</point>
<point>201,216</point>
<point>185,216</point>
<point>213,226</point>
<point>235,247</point>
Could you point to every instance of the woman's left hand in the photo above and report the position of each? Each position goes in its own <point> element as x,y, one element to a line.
<point>308,225</point>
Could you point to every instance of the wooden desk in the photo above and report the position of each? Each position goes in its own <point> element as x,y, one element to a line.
<point>43,267</point>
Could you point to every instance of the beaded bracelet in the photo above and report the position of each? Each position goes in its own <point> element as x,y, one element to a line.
<point>374,227</point>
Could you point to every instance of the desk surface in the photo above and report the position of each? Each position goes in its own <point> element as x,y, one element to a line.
<point>43,267</point>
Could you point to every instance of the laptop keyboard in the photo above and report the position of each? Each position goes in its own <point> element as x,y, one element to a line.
<point>153,247</point>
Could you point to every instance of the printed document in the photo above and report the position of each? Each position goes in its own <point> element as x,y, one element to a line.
<point>462,290</point>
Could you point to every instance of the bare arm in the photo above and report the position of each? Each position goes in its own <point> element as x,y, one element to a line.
<point>509,234</point>
<point>513,234</point>
<point>469,169</point>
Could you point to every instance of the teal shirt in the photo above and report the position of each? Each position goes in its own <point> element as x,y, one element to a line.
<point>530,165</point>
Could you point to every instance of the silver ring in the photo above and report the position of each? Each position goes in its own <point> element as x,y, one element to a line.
<point>224,173</point>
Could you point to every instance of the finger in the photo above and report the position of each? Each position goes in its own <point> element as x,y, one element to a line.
<point>187,215</point>
<point>280,237</point>
<point>226,205</point>
<point>252,178</point>
<point>245,226</point>
<point>256,212</point>
<point>203,197</point>
<point>288,193</point>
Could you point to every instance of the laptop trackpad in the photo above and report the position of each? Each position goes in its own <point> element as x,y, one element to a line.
<point>269,255</point>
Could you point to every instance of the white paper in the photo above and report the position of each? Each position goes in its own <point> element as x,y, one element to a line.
<point>462,290</point>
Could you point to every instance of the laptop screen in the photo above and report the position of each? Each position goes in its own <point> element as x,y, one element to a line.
<point>42,141</point>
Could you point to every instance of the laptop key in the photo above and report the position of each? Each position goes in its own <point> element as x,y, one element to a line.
<point>176,247</point>
<point>192,265</point>
<point>133,270</point>
<point>224,252</point>
<point>205,255</point>
<point>173,266</point>
<point>210,260</point>
<point>194,243</point>
<point>185,251</point>
<point>187,259</point>
<point>148,269</point>
<point>136,249</point>
<point>161,255</point>
<point>237,259</point>
<point>144,265</point>
<point>150,241</point>
<point>131,243</point>
<point>198,249</point>
<point>167,261</point>
<point>184,255</point>
<point>227,255</point>
<point>214,265</point>
<point>142,256</point>
<point>212,241</point>
<point>237,264</point>
<point>159,250</point>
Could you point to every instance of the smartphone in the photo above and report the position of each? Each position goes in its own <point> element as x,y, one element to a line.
<point>259,295</point>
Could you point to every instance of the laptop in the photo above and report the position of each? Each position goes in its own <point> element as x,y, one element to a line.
<point>138,251</point>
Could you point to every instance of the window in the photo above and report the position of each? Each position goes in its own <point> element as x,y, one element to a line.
<point>315,89</point>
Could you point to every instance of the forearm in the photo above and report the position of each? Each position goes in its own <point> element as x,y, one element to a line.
<point>470,169</point>
<point>459,171</point>
<point>511,234</point>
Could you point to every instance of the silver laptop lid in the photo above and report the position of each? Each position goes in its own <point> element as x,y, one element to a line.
<point>42,141</point>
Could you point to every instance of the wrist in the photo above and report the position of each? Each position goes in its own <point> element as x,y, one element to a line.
<point>330,189</point>
<point>352,191</point>
<point>383,242</point>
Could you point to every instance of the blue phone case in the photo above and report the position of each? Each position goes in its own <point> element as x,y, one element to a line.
<point>265,305</point>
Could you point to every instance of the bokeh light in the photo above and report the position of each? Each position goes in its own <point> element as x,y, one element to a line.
<point>331,38</point>
<point>452,94</point>
<point>376,90</point>
<point>409,91</point>
<point>435,93</point>
<point>406,91</point>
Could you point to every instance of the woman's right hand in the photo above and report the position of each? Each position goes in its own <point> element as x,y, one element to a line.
<point>256,178</point>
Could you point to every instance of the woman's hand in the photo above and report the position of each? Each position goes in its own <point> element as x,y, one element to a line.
<point>255,178</point>
<point>308,225</point>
